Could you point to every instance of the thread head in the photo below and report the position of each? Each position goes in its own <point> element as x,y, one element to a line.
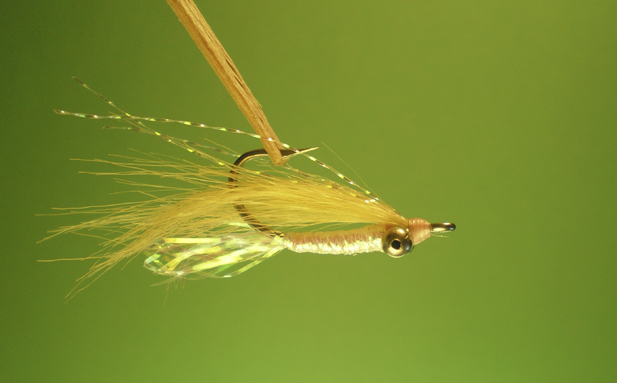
<point>419,229</point>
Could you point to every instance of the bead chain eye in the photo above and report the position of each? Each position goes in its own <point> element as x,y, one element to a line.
<point>396,242</point>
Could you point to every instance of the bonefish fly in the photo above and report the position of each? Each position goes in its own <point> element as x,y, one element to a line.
<point>228,217</point>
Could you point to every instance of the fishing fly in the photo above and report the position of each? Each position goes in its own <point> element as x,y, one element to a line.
<point>228,217</point>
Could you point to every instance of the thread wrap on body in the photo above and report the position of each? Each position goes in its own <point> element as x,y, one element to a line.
<point>348,242</point>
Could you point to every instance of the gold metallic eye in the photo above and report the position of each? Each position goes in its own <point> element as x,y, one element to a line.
<point>396,242</point>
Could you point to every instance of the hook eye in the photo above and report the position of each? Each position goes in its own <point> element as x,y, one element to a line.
<point>396,242</point>
<point>442,226</point>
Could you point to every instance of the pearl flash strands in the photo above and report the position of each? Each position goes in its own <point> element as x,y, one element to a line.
<point>227,217</point>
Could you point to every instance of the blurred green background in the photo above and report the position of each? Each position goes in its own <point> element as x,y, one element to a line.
<point>498,116</point>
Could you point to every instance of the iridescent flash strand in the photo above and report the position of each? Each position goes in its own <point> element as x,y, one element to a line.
<point>136,125</point>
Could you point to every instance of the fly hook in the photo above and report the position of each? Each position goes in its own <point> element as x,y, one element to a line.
<point>233,183</point>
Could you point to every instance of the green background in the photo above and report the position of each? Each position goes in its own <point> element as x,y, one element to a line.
<point>498,116</point>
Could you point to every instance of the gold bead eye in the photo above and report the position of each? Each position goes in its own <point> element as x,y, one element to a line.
<point>396,242</point>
